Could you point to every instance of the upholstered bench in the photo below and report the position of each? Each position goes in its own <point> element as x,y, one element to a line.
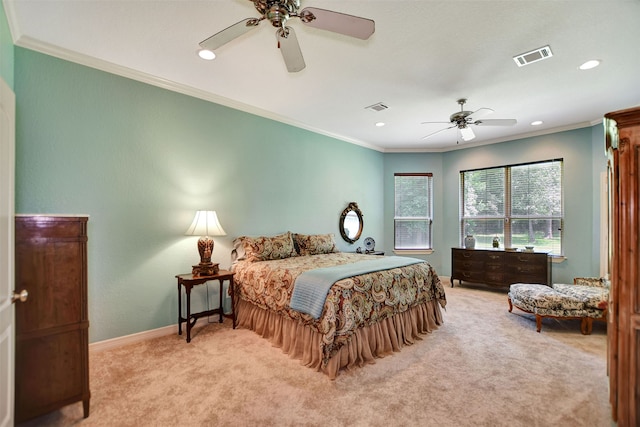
<point>586,300</point>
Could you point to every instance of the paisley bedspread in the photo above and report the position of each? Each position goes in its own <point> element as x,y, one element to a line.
<point>352,303</point>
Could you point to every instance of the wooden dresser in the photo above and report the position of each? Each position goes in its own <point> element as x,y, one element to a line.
<point>52,343</point>
<point>622,132</point>
<point>500,268</point>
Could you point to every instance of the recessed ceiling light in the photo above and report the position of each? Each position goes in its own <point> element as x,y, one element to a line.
<point>593,63</point>
<point>536,123</point>
<point>380,124</point>
<point>206,54</point>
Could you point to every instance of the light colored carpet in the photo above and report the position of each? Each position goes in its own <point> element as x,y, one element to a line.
<point>483,367</point>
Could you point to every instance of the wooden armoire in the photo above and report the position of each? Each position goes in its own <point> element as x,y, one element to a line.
<point>622,134</point>
<point>52,342</point>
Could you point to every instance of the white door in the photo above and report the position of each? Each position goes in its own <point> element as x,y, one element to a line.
<point>7,333</point>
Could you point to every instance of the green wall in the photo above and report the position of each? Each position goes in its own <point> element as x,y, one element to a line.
<point>140,160</point>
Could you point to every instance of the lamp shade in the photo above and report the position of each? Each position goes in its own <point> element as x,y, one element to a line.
<point>205,223</point>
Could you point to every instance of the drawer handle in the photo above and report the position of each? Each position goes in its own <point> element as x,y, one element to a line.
<point>466,255</point>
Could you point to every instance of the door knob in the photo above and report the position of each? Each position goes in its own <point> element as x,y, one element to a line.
<point>22,296</point>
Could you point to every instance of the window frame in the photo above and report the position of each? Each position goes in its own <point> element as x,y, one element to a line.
<point>428,218</point>
<point>508,217</point>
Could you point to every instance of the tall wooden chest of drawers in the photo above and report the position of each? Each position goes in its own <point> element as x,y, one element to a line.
<point>500,268</point>
<point>52,325</point>
<point>622,132</point>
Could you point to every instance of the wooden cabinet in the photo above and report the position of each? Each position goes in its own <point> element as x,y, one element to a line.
<point>622,132</point>
<point>52,348</point>
<point>499,268</point>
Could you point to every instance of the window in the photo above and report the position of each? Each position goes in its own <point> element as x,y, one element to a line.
<point>413,211</point>
<point>520,204</point>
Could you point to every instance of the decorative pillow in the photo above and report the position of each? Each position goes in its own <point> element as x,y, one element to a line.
<point>599,282</point>
<point>266,248</point>
<point>314,244</point>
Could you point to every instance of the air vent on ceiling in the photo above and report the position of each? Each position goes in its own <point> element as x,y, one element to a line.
<point>533,56</point>
<point>377,107</point>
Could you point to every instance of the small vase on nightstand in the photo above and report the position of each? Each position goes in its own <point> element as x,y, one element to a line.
<point>469,242</point>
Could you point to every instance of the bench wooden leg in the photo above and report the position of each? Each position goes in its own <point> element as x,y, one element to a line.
<point>510,304</point>
<point>538,322</point>
<point>586,325</point>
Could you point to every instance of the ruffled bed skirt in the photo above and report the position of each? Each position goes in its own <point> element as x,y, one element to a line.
<point>367,343</point>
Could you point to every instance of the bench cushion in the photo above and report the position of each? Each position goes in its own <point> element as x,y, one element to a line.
<point>592,296</point>
<point>543,297</point>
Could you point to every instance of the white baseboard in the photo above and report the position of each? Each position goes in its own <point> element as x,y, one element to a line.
<point>133,338</point>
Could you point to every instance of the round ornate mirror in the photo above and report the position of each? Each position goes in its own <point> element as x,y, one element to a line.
<point>351,223</point>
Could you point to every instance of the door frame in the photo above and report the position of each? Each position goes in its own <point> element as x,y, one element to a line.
<point>7,247</point>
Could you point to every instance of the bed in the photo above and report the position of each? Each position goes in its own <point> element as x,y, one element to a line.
<point>363,317</point>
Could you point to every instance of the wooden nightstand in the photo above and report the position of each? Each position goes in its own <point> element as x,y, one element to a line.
<point>189,281</point>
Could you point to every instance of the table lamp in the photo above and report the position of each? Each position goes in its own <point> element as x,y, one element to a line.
<point>205,224</point>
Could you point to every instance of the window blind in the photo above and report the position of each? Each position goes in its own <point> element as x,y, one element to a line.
<point>520,204</point>
<point>413,210</point>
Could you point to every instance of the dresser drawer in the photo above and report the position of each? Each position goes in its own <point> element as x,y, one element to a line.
<point>467,264</point>
<point>471,275</point>
<point>495,257</point>
<point>468,255</point>
<point>525,258</point>
<point>494,268</point>
<point>526,269</point>
<point>494,277</point>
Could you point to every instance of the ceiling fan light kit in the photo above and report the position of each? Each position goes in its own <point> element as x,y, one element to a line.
<point>278,12</point>
<point>467,133</point>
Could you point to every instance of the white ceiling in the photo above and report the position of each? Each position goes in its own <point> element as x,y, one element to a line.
<point>423,56</point>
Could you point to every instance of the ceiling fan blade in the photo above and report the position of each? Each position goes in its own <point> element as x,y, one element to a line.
<point>496,122</point>
<point>349,25</point>
<point>481,112</point>
<point>467,133</point>
<point>438,131</point>
<point>427,123</point>
<point>225,36</point>
<point>290,48</point>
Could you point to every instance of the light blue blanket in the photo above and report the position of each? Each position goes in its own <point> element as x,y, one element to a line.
<point>312,287</point>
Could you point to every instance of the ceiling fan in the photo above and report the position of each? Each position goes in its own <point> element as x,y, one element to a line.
<point>463,119</point>
<point>278,12</point>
